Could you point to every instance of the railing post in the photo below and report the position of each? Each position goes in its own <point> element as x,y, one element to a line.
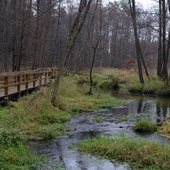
<point>15,79</point>
<point>6,85</point>
<point>40,77</point>
<point>18,84</point>
<point>34,80</point>
<point>50,73</point>
<point>26,84</point>
<point>45,77</point>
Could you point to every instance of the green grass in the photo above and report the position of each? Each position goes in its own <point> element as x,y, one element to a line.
<point>34,116</point>
<point>127,79</point>
<point>154,86</point>
<point>145,126</point>
<point>125,118</point>
<point>139,154</point>
<point>165,129</point>
<point>108,79</point>
<point>15,153</point>
<point>99,118</point>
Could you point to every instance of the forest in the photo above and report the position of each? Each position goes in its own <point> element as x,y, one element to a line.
<point>99,94</point>
<point>34,33</point>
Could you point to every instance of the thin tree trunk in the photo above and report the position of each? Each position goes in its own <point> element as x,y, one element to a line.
<point>91,70</point>
<point>138,50</point>
<point>76,28</point>
<point>164,69</point>
<point>159,62</point>
<point>37,37</point>
<point>94,47</point>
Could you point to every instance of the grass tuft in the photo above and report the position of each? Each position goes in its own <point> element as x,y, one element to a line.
<point>139,154</point>
<point>145,126</point>
<point>165,129</point>
<point>99,118</point>
<point>11,138</point>
<point>15,153</point>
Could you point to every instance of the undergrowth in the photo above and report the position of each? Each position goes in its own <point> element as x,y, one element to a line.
<point>34,117</point>
<point>165,130</point>
<point>145,126</point>
<point>139,154</point>
<point>152,86</point>
<point>127,79</point>
<point>15,153</point>
<point>109,79</point>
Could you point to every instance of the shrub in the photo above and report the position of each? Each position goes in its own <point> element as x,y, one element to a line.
<point>165,129</point>
<point>145,126</point>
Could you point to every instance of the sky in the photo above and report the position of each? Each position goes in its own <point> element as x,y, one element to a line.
<point>145,3</point>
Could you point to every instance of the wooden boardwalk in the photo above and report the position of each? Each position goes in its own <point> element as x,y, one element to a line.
<point>17,82</point>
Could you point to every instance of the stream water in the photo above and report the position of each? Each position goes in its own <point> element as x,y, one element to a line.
<point>84,126</point>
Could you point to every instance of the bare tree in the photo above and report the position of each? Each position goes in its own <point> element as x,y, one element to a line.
<point>163,50</point>
<point>138,49</point>
<point>84,7</point>
<point>95,38</point>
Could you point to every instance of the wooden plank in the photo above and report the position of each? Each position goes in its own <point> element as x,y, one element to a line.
<point>17,82</point>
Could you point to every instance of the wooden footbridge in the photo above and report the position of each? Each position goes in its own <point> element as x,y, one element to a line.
<point>22,81</point>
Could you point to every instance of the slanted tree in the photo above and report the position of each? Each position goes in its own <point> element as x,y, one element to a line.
<point>81,15</point>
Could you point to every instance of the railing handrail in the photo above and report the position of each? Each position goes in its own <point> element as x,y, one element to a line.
<point>39,70</point>
<point>18,78</point>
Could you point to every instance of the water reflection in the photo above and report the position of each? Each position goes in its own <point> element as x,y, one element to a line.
<point>157,107</point>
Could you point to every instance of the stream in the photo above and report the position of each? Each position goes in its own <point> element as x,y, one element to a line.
<point>84,126</point>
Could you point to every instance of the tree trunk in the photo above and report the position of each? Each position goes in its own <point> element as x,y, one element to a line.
<point>95,43</point>
<point>91,70</point>
<point>159,62</point>
<point>138,49</point>
<point>165,58</point>
<point>76,28</point>
<point>37,37</point>
<point>163,51</point>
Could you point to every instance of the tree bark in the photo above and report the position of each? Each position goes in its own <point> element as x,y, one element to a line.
<point>138,49</point>
<point>164,69</point>
<point>76,28</point>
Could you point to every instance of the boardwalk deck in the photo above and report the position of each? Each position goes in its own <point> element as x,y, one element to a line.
<point>17,82</point>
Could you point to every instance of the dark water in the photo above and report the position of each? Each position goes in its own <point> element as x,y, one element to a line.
<point>84,126</point>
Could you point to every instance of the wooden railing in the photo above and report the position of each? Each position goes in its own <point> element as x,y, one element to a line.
<point>15,82</point>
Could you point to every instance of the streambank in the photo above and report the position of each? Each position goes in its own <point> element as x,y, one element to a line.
<point>85,126</point>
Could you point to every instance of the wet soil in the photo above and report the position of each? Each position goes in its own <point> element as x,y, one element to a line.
<point>84,126</point>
